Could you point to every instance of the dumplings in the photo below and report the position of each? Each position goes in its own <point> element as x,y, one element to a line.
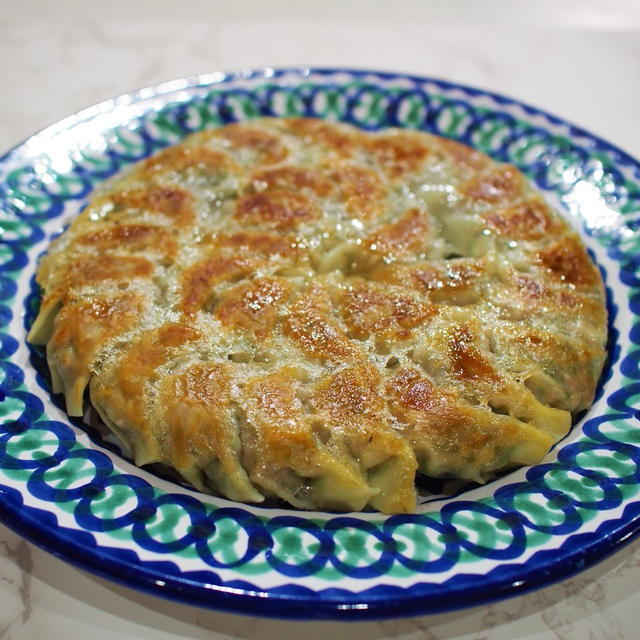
<point>297,309</point>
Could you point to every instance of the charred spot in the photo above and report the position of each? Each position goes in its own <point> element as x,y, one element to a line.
<point>399,153</point>
<point>464,155</point>
<point>567,261</point>
<point>529,288</point>
<point>454,275</point>
<point>135,237</point>
<point>266,145</point>
<point>199,281</point>
<point>401,236</point>
<point>361,189</point>
<point>316,334</point>
<point>192,157</point>
<point>280,209</point>
<point>348,393</point>
<point>252,306</point>
<point>466,360</point>
<point>498,185</point>
<point>172,202</point>
<point>369,310</point>
<point>412,390</point>
<point>524,221</point>
<point>336,138</point>
<point>293,179</point>
<point>96,269</point>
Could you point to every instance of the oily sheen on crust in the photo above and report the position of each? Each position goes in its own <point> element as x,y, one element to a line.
<point>298,309</point>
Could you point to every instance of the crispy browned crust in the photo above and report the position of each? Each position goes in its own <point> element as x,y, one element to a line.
<point>298,309</point>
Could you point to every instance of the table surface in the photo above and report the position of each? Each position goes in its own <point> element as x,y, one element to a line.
<point>577,59</point>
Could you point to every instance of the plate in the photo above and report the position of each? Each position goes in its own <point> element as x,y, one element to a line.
<point>69,490</point>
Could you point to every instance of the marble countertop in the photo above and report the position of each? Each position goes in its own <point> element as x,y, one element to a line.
<point>577,59</point>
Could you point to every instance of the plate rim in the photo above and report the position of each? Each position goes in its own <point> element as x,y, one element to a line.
<point>267,72</point>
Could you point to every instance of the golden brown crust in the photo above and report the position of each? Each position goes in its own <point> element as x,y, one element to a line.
<point>526,220</point>
<point>171,202</point>
<point>281,209</point>
<point>252,306</point>
<point>496,186</point>
<point>398,153</point>
<point>361,190</point>
<point>298,309</point>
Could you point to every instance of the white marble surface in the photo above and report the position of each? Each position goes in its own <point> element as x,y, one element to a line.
<point>578,59</point>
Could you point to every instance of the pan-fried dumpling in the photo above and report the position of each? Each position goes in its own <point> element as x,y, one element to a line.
<point>296,309</point>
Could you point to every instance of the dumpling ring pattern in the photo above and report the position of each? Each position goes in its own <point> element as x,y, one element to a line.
<point>79,498</point>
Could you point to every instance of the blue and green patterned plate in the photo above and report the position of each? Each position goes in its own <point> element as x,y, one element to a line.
<point>68,489</point>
